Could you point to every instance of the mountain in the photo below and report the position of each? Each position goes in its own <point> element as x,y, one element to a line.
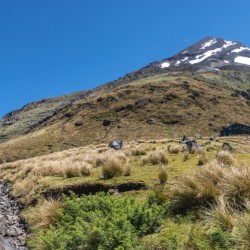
<point>208,54</point>
<point>166,98</point>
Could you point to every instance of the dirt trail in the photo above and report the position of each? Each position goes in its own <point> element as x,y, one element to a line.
<point>12,233</point>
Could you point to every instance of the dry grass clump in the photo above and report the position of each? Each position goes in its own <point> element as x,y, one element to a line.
<point>202,159</point>
<point>115,165</point>
<point>112,168</point>
<point>138,151</point>
<point>225,158</point>
<point>86,170</point>
<point>174,149</point>
<point>236,186</point>
<point>43,214</point>
<point>77,169</point>
<point>72,171</point>
<point>186,156</point>
<point>199,188</point>
<point>157,157</point>
<point>163,176</point>
<point>241,231</point>
<point>205,186</point>
<point>23,187</point>
<point>221,214</point>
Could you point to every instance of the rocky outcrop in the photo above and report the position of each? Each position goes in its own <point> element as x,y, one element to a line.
<point>12,232</point>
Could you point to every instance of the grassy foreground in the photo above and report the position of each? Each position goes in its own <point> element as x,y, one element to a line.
<point>193,200</point>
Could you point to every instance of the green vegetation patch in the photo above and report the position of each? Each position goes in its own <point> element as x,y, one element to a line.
<point>101,222</point>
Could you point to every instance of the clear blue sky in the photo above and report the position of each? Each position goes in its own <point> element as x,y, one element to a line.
<point>54,47</point>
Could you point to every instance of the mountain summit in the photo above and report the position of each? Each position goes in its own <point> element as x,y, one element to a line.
<point>209,54</point>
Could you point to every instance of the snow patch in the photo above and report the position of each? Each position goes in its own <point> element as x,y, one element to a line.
<point>228,43</point>
<point>207,54</point>
<point>208,44</point>
<point>239,50</point>
<point>165,65</point>
<point>226,61</point>
<point>177,63</point>
<point>184,52</point>
<point>242,60</point>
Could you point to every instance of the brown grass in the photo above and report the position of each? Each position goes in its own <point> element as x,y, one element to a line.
<point>162,176</point>
<point>156,157</point>
<point>202,159</point>
<point>205,186</point>
<point>44,214</point>
<point>225,158</point>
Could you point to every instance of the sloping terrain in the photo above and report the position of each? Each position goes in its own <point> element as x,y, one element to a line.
<point>161,195</point>
<point>177,104</point>
<point>19,122</point>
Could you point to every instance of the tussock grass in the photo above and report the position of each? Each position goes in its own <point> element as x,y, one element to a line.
<point>139,151</point>
<point>236,186</point>
<point>115,165</point>
<point>241,231</point>
<point>44,214</point>
<point>174,149</point>
<point>225,158</point>
<point>205,186</point>
<point>156,157</point>
<point>198,188</point>
<point>202,159</point>
<point>163,176</point>
<point>23,187</point>
<point>221,214</point>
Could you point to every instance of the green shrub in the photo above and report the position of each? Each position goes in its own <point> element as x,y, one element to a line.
<point>101,222</point>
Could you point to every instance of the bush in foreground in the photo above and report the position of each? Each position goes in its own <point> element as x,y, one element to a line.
<point>101,222</point>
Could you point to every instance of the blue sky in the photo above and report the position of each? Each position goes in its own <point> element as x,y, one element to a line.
<point>54,47</point>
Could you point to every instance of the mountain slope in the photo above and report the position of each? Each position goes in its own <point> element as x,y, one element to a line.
<point>20,122</point>
<point>188,98</point>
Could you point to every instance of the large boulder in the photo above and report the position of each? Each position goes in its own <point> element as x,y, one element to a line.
<point>116,144</point>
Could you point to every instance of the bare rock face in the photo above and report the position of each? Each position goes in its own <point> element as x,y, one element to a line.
<point>12,232</point>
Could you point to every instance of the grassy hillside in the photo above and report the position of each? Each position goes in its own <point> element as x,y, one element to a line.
<point>185,187</point>
<point>178,103</point>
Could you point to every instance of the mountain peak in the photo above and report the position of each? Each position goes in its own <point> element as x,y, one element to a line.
<point>209,54</point>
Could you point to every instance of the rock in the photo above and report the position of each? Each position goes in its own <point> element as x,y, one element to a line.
<point>193,145</point>
<point>116,144</point>
<point>77,124</point>
<point>227,146</point>
<point>184,139</point>
<point>150,121</point>
<point>106,122</point>
<point>68,115</point>
<point>12,233</point>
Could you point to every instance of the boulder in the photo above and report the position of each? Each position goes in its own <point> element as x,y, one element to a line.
<point>106,122</point>
<point>193,145</point>
<point>116,144</point>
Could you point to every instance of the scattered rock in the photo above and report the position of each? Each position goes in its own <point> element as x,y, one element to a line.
<point>184,139</point>
<point>227,146</point>
<point>193,145</point>
<point>106,122</point>
<point>68,115</point>
<point>116,144</point>
<point>77,124</point>
<point>150,121</point>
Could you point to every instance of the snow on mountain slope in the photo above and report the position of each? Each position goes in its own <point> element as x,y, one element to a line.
<point>209,54</point>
